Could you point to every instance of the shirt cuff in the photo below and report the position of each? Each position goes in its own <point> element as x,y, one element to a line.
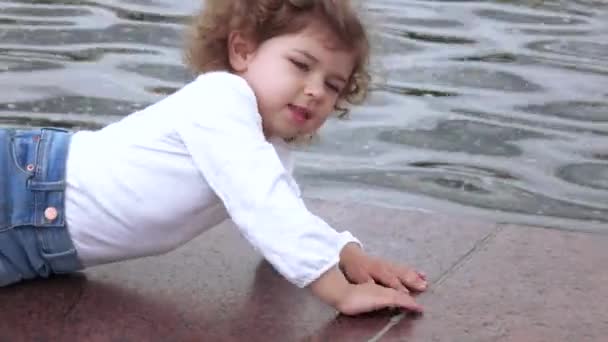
<point>344,238</point>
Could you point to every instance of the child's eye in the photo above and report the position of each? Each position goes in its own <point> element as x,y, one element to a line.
<point>300,65</point>
<point>333,87</point>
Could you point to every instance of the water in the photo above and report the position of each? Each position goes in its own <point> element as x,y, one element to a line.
<point>497,109</point>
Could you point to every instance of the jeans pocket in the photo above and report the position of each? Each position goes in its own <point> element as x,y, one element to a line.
<point>24,149</point>
<point>62,262</point>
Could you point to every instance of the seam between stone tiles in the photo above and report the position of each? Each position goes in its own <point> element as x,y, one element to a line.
<point>466,257</point>
<point>442,278</point>
<point>71,308</point>
<point>602,232</point>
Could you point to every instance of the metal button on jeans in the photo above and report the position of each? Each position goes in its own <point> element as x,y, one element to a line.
<point>50,213</point>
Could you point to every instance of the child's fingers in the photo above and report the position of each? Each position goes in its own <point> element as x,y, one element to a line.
<point>401,300</point>
<point>412,279</point>
<point>372,297</point>
<point>390,279</point>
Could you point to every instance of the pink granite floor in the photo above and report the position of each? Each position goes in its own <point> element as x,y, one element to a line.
<point>489,283</point>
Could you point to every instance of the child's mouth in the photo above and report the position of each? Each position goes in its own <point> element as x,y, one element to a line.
<point>299,114</point>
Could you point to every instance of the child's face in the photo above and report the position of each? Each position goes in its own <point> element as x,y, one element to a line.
<point>297,79</point>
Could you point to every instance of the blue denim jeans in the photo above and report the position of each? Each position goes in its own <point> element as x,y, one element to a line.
<point>34,240</point>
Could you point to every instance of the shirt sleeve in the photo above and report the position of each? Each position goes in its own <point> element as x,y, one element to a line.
<point>221,129</point>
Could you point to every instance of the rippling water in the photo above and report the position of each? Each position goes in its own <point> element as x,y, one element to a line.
<point>497,108</point>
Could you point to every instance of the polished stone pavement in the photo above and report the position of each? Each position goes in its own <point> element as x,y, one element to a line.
<point>490,282</point>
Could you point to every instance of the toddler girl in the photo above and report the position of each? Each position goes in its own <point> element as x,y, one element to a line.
<point>269,72</point>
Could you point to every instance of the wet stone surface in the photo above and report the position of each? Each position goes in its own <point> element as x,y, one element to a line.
<point>506,283</point>
<point>217,288</point>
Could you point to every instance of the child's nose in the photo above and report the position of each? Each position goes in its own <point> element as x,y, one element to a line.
<point>315,89</point>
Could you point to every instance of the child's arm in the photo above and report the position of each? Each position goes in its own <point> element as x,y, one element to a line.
<point>351,299</point>
<point>220,127</point>
<point>222,130</point>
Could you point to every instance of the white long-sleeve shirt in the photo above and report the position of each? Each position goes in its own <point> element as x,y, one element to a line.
<point>160,177</point>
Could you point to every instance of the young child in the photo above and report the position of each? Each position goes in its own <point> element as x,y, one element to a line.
<point>270,71</point>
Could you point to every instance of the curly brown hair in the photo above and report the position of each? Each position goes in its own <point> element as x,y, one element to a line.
<point>264,19</point>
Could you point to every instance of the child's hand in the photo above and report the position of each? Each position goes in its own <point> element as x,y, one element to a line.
<point>361,298</point>
<point>352,299</point>
<point>361,268</point>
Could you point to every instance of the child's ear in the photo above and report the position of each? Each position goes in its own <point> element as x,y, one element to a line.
<point>240,51</point>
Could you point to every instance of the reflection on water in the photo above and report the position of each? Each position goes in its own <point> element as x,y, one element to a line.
<point>463,136</point>
<point>498,109</point>
<point>576,110</point>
